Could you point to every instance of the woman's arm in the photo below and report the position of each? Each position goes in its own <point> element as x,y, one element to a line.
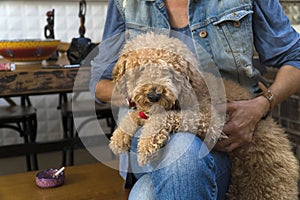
<point>101,85</point>
<point>286,83</point>
<point>104,89</point>
<point>244,115</point>
<point>278,45</point>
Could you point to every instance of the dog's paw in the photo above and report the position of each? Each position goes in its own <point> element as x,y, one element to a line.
<point>120,142</point>
<point>145,158</point>
<point>148,147</point>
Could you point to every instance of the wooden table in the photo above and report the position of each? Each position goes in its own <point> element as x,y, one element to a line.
<point>35,79</point>
<point>84,182</point>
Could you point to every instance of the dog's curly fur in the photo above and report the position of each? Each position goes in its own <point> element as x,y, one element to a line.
<point>264,169</point>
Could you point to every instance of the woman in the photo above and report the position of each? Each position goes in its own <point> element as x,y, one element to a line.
<point>228,30</point>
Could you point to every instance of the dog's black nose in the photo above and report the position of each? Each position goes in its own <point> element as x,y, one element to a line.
<point>153,96</point>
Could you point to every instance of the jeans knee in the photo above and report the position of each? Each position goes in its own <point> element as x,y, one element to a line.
<point>184,148</point>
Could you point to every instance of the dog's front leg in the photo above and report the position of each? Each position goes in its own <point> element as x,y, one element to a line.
<point>207,124</point>
<point>154,136</point>
<point>156,132</point>
<point>121,138</point>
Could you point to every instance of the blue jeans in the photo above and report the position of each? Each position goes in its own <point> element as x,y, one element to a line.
<point>185,170</point>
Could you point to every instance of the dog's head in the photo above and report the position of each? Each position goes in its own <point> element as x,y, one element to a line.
<point>156,78</point>
<point>155,84</point>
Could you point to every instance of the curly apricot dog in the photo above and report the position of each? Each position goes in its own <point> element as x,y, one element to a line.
<point>169,94</point>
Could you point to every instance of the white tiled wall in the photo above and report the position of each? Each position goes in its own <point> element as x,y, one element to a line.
<point>26,19</point>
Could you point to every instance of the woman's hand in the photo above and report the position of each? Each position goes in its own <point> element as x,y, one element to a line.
<point>242,119</point>
<point>244,115</point>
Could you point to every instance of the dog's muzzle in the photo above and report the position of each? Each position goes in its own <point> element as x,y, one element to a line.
<point>153,96</point>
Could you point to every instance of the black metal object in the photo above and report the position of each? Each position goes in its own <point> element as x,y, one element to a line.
<point>80,47</point>
<point>49,28</point>
<point>81,15</point>
<point>49,32</point>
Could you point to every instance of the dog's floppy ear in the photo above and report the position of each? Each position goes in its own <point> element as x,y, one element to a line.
<point>119,76</point>
<point>120,67</point>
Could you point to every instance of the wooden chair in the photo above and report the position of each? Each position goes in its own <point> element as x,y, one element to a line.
<point>22,119</point>
<point>82,108</point>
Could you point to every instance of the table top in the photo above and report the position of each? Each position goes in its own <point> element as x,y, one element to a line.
<point>37,79</point>
<point>85,182</point>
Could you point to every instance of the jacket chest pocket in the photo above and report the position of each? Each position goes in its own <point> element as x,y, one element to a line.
<point>235,30</point>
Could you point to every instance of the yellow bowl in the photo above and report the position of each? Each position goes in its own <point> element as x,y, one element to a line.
<point>28,50</point>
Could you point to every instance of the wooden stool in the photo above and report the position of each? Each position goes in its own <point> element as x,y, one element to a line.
<point>23,119</point>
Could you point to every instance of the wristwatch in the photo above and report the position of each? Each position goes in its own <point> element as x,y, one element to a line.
<point>267,93</point>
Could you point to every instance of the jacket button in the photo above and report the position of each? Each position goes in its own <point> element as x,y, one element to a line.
<point>237,24</point>
<point>203,34</point>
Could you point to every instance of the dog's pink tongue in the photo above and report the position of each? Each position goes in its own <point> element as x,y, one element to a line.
<point>143,115</point>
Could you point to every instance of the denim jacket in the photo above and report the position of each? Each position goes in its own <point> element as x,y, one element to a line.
<point>222,28</point>
<point>227,29</point>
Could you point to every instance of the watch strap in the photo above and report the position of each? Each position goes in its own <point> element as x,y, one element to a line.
<point>267,93</point>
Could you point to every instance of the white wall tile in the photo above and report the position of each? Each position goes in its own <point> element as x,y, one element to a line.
<point>26,19</point>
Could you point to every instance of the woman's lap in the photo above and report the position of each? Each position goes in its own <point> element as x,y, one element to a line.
<point>185,170</point>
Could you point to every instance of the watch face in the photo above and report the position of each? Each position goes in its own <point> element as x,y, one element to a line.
<point>269,95</point>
